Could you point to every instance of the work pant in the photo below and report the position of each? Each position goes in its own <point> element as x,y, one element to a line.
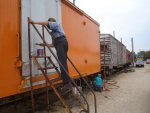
<point>97,88</point>
<point>61,46</point>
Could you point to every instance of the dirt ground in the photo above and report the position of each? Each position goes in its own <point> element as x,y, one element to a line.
<point>133,96</point>
<point>130,95</point>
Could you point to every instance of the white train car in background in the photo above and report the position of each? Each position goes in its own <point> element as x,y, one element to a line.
<point>113,52</point>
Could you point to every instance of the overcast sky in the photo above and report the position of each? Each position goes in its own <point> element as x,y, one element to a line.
<point>128,18</point>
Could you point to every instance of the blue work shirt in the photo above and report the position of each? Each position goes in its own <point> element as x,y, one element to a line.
<point>57,30</point>
<point>98,81</point>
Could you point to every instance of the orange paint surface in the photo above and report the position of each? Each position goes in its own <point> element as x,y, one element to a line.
<point>83,36</point>
<point>82,33</point>
<point>9,47</point>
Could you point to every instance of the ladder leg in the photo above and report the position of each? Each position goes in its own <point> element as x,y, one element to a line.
<point>47,97</point>
<point>30,63</point>
<point>61,99</point>
<point>45,64</point>
<point>53,87</point>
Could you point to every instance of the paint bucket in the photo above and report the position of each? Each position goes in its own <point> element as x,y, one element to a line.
<point>40,52</point>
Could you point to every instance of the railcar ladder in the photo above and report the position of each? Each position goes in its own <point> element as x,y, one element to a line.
<point>51,82</point>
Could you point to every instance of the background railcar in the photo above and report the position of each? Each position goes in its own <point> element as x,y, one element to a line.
<point>81,30</point>
<point>113,52</point>
<point>128,57</point>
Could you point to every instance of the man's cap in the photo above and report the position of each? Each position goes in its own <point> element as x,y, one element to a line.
<point>52,19</point>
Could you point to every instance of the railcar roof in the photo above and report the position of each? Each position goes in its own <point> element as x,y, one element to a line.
<point>109,35</point>
<point>74,7</point>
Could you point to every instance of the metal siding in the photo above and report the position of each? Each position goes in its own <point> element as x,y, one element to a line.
<point>124,55</point>
<point>112,55</point>
<point>121,54</point>
<point>88,54</point>
<point>128,56</point>
<point>106,40</point>
<point>9,47</point>
<point>117,55</point>
<point>114,51</point>
<point>37,10</point>
<point>83,37</point>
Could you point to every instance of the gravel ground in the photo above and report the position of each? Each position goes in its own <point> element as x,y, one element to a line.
<point>133,96</point>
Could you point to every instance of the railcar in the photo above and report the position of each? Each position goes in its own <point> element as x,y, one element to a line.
<point>81,31</point>
<point>128,57</point>
<point>114,54</point>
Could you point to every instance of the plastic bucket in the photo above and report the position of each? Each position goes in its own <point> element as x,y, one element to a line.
<point>40,52</point>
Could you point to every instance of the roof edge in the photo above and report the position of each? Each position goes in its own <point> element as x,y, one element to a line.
<point>79,11</point>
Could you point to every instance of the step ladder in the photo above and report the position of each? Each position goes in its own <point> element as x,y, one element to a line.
<point>51,82</point>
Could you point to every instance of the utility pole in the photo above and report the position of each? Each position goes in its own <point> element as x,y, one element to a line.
<point>113,33</point>
<point>74,2</point>
<point>132,51</point>
<point>121,40</point>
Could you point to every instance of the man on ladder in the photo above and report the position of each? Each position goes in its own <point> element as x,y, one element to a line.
<point>60,43</point>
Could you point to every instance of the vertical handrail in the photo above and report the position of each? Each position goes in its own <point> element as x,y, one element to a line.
<point>30,63</point>
<point>45,62</point>
<point>60,63</point>
<point>52,86</point>
<point>95,103</point>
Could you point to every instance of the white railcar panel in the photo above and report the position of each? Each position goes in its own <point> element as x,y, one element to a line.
<point>37,10</point>
<point>115,55</point>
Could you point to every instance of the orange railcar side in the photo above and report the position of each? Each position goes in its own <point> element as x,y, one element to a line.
<point>9,47</point>
<point>82,33</point>
<point>83,36</point>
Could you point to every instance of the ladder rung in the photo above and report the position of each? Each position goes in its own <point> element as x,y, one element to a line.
<point>43,44</point>
<point>41,56</point>
<point>65,92</point>
<point>46,68</point>
<point>55,80</point>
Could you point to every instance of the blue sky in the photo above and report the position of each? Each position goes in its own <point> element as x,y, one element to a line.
<point>128,18</point>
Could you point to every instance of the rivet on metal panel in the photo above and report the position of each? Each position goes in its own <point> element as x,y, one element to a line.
<point>86,61</point>
<point>84,23</point>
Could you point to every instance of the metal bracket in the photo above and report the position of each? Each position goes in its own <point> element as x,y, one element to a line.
<point>18,63</point>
